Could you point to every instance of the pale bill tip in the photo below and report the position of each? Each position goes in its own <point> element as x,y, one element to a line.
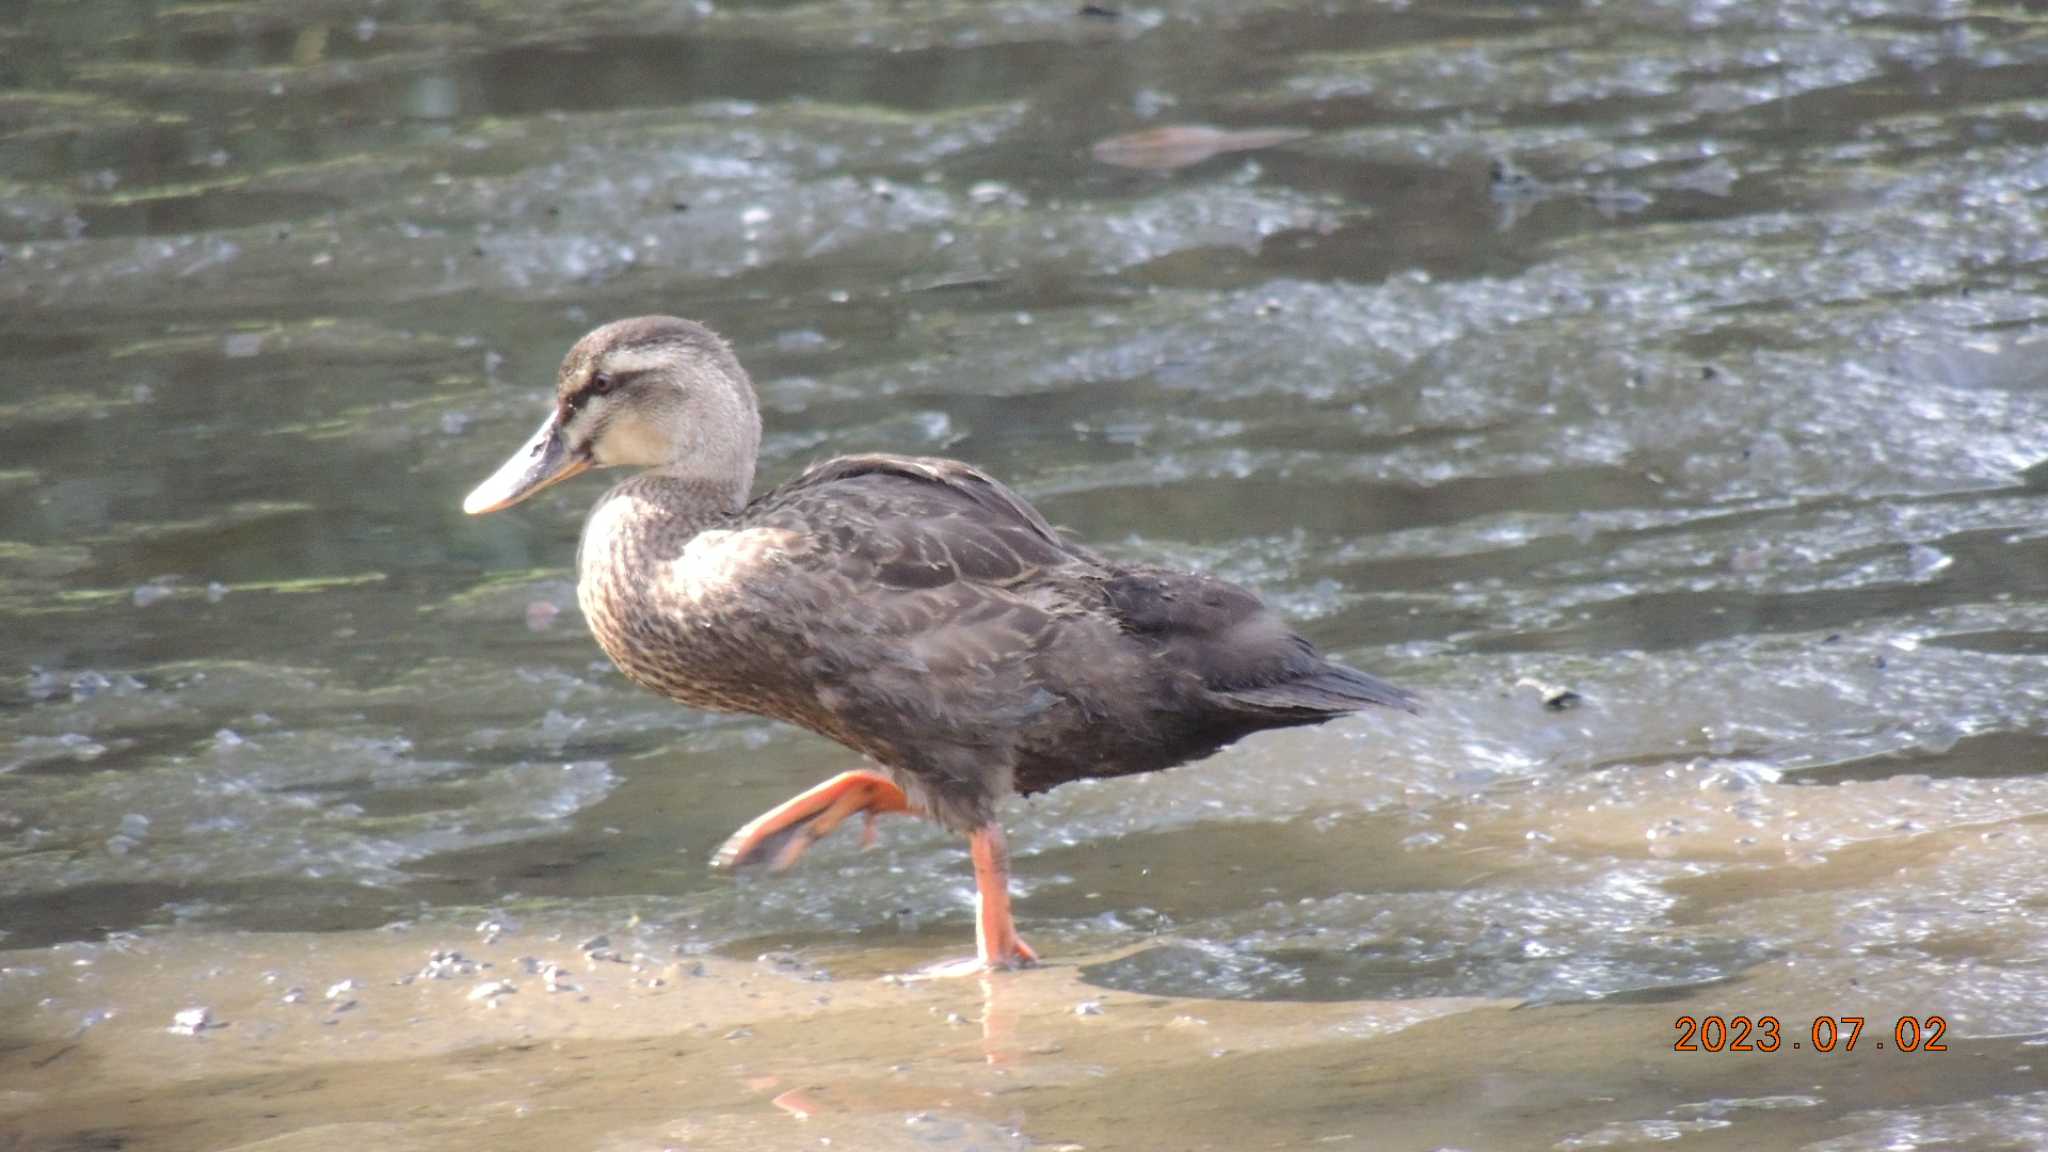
<point>536,465</point>
<point>496,492</point>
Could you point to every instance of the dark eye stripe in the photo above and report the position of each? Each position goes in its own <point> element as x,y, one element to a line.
<point>599,384</point>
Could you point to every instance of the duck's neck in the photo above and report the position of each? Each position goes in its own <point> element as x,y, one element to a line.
<point>648,518</point>
<point>633,538</point>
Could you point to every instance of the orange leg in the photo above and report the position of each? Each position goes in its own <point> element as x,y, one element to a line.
<point>781,834</point>
<point>995,934</point>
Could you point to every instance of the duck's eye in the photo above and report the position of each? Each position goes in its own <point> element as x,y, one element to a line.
<point>602,384</point>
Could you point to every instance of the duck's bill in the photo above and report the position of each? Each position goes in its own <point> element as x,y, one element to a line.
<point>544,460</point>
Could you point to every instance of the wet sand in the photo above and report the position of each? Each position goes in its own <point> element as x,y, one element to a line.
<point>651,1049</point>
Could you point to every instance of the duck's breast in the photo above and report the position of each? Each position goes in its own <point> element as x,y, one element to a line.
<point>678,610</point>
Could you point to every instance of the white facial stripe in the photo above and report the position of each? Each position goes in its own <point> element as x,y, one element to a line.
<point>633,361</point>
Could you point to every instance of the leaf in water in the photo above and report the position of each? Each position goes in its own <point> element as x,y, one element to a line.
<point>76,596</point>
<point>309,583</point>
<point>1184,145</point>
<point>495,584</point>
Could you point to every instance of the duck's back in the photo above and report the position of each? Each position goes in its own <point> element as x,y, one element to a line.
<point>920,611</point>
<point>917,604</point>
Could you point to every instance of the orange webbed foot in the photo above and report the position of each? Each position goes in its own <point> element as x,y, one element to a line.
<point>998,948</point>
<point>997,944</point>
<point>780,835</point>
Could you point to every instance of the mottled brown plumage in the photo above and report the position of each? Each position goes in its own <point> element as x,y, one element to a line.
<point>911,608</point>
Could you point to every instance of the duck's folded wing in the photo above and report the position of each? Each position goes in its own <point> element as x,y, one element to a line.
<point>918,521</point>
<point>917,590</point>
<point>914,600</point>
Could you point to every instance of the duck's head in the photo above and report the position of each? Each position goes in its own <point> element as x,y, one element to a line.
<point>652,392</point>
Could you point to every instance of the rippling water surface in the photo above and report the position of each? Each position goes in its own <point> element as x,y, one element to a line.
<point>1687,357</point>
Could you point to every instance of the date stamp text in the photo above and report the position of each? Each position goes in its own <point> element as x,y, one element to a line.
<point>1825,1034</point>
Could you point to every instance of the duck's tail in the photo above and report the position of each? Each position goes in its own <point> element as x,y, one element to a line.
<point>1253,670</point>
<point>1327,690</point>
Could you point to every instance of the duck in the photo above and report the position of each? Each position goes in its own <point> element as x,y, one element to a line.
<point>913,609</point>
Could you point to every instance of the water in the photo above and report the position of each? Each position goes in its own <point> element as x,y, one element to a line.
<point>1689,357</point>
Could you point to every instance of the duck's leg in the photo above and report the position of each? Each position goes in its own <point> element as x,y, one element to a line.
<point>995,934</point>
<point>781,834</point>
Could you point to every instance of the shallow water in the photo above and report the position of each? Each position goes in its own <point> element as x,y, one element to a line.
<point>1689,357</point>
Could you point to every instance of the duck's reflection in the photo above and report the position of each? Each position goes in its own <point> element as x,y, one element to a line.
<point>998,1021</point>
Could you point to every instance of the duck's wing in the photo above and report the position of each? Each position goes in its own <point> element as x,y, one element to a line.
<point>943,492</point>
<point>917,521</point>
<point>951,571</point>
<point>929,616</point>
<point>911,599</point>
